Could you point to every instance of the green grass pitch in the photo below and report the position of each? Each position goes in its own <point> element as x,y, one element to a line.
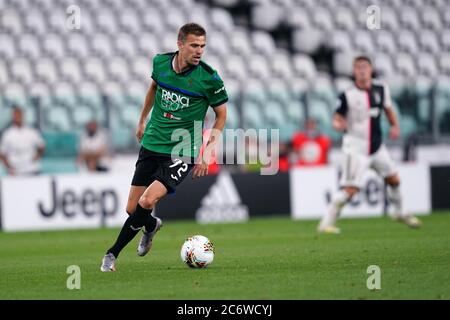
<point>272,258</point>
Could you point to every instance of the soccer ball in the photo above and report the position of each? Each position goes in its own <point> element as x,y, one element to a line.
<point>197,252</point>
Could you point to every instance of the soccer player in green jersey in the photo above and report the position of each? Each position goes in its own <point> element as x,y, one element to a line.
<point>182,89</point>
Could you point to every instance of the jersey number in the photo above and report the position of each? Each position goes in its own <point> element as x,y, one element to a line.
<point>181,169</point>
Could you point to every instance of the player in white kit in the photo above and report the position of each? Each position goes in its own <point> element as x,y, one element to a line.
<point>359,116</point>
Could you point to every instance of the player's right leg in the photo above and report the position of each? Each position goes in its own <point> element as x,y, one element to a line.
<point>340,199</point>
<point>353,168</point>
<point>147,201</point>
<point>146,166</point>
<point>128,232</point>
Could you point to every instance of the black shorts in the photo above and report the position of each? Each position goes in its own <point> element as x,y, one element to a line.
<point>152,166</point>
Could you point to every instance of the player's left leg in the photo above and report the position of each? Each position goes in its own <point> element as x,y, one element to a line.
<point>395,198</point>
<point>383,164</point>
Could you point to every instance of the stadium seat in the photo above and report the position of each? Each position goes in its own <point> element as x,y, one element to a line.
<point>363,42</point>
<point>39,89</point>
<point>21,71</point>
<point>4,73</point>
<point>307,41</point>
<point>255,90</point>
<point>107,22</point>
<point>101,45</point>
<point>344,19</point>
<point>279,91</point>
<point>60,144</point>
<point>298,86</point>
<point>298,17</point>
<point>7,47</point>
<point>343,63</point>
<point>241,43</point>
<point>385,42</point>
<point>263,42</point>
<point>429,42</point>
<point>405,65</point>
<point>148,45</point>
<point>342,83</point>
<point>29,46</point>
<point>89,93</point>
<point>445,40</point>
<point>304,66</point>
<point>232,116</point>
<point>275,113</point>
<point>390,20</point>
<point>56,20</point>
<point>54,46</point>
<point>141,67</point>
<point>34,22</point>
<point>259,67</point>
<point>444,63</point>
<point>77,45</point>
<point>282,66</point>
<point>426,64</point>
<point>125,45</point>
<point>222,20</point>
<point>407,41</point>
<point>322,19</point>
<point>219,43</point>
<point>46,71</point>
<point>383,65</point>
<point>295,111</point>
<point>446,16</point>
<point>175,18</point>
<point>64,93</point>
<point>53,164</point>
<point>266,16</point>
<point>94,70</point>
<point>11,22</point>
<point>152,21</point>
<point>130,21</point>
<point>252,115</point>
<point>340,41</point>
<point>57,118</point>
<point>431,19</point>
<point>236,67</point>
<point>118,69</point>
<point>70,70</point>
<point>409,19</point>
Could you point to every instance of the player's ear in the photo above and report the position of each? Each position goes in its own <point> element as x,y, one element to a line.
<point>180,44</point>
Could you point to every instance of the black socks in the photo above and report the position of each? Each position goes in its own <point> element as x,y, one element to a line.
<point>141,217</point>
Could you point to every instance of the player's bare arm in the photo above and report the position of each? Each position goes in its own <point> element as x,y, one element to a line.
<point>394,132</point>
<point>39,153</point>
<point>148,104</point>
<point>201,169</point>
<point>8,166</point>
<point>339,122</point>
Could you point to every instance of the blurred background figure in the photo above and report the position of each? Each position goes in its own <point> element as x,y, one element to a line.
<point>94,148</point>
<point>310,147</point>
<point>21,146</point>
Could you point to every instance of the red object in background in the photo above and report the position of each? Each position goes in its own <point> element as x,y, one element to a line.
<point>311,150</point>
<point>283,164</point>
<point>213,167</point>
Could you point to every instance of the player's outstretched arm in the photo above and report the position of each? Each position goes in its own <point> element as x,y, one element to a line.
<point>339,122</point>
<point>201,169</point>
<point>147,107</point>
<point>394,132</point>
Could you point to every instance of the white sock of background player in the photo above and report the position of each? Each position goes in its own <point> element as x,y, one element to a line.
<point>340,199</point>
<point>395,198</point>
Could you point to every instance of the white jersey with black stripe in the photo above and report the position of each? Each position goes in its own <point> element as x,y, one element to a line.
<point>362,110</point>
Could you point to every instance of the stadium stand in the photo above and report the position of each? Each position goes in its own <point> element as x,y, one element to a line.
<point>65,77</point>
